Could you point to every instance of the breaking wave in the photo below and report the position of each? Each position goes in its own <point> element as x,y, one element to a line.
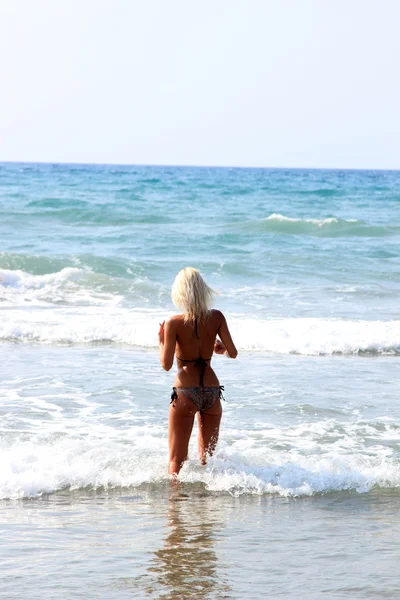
<point>246,462</point>
<point>116,324</point>
<point>325,227</point>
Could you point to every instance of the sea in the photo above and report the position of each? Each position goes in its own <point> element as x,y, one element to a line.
<point>302,496</point>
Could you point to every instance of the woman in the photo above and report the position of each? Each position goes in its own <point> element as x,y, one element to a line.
<point>192,335</point>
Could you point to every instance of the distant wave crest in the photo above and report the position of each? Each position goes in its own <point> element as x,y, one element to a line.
<point>74,286</point>
<point>328,226</point>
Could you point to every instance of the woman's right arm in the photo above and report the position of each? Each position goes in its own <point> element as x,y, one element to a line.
<point>226,338</point>
<point>167,343</point>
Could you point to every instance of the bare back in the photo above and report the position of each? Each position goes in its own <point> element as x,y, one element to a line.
<point>194,342</point>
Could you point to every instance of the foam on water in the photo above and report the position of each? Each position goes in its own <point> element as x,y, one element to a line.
<point>316,336</point>
<point>322,227</point>
<point>75,305</point>
<point>94,263</point>
<point>318,222</point>
<point>71,285</point>
<point>312,458</point>
<point>19,285</point>
<point>111,323</point>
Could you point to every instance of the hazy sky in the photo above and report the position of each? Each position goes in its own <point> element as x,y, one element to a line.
<point>298,83</point>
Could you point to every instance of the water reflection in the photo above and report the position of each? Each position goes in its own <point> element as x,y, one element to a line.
<point>187,565</point>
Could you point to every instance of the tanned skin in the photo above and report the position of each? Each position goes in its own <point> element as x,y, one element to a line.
<point>176,336</point>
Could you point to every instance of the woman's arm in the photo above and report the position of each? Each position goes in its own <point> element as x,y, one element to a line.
<point>167,343</point>
<point>224,334</point>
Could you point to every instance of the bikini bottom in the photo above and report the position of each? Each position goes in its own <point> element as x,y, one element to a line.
<point>202,397</point>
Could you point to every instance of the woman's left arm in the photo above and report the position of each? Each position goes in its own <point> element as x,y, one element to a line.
<point>167,343</point>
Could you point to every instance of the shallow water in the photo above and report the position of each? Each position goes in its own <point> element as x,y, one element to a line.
<point>301,497</point>
<point>189,543</point>
<point>93,416</point>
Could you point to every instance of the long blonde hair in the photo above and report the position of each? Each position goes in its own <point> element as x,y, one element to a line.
<point>191,294</point>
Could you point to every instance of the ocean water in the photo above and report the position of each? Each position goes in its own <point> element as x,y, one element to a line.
<point>301,498</point>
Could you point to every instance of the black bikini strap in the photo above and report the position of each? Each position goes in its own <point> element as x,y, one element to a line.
<point>198,362</point>
<point>221,395</point>
<point>201,363</point>
<point>194,360</point>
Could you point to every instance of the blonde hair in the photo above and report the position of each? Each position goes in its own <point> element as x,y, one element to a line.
<point>191,294</point>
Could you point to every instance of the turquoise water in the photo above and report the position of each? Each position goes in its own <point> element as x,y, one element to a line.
<point>278,244</point>
<point>307,263</point>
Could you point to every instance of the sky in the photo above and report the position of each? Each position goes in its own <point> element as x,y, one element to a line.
<point>252,83</point>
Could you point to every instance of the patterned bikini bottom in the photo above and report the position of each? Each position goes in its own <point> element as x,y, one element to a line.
<point>202,397</point>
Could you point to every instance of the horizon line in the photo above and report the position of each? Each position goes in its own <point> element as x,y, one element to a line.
<point>192,166</point>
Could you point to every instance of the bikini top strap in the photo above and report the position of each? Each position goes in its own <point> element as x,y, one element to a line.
<point>198,362</point>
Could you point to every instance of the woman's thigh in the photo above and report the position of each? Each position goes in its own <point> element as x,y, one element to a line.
<point>209,421</point>
<point>180,425</point>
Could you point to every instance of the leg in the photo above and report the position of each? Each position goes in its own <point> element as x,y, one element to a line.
<point>208,422</point>
<point>180,425</point>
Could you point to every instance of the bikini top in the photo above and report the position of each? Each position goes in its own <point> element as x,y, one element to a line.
<point>197,362</point>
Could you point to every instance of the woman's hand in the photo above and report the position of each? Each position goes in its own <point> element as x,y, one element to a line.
<point>161,334</point>
<point>219,347</point>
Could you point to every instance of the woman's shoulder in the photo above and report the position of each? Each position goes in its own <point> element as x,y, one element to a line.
<point>175,319</point>
<point>217,315</point>
<point>175,322</point>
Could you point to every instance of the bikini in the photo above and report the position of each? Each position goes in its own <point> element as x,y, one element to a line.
<point>202,397</point>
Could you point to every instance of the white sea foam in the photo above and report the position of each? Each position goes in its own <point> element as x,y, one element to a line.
<point>65,307</point>
<point>320,458</point>
<point>82,325</point>
<point>316,336</point>
<point>116,324</point>
<point>25,281</point>
<point>70,285</point>
<point>318,222</point>
<point>326,226</point>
